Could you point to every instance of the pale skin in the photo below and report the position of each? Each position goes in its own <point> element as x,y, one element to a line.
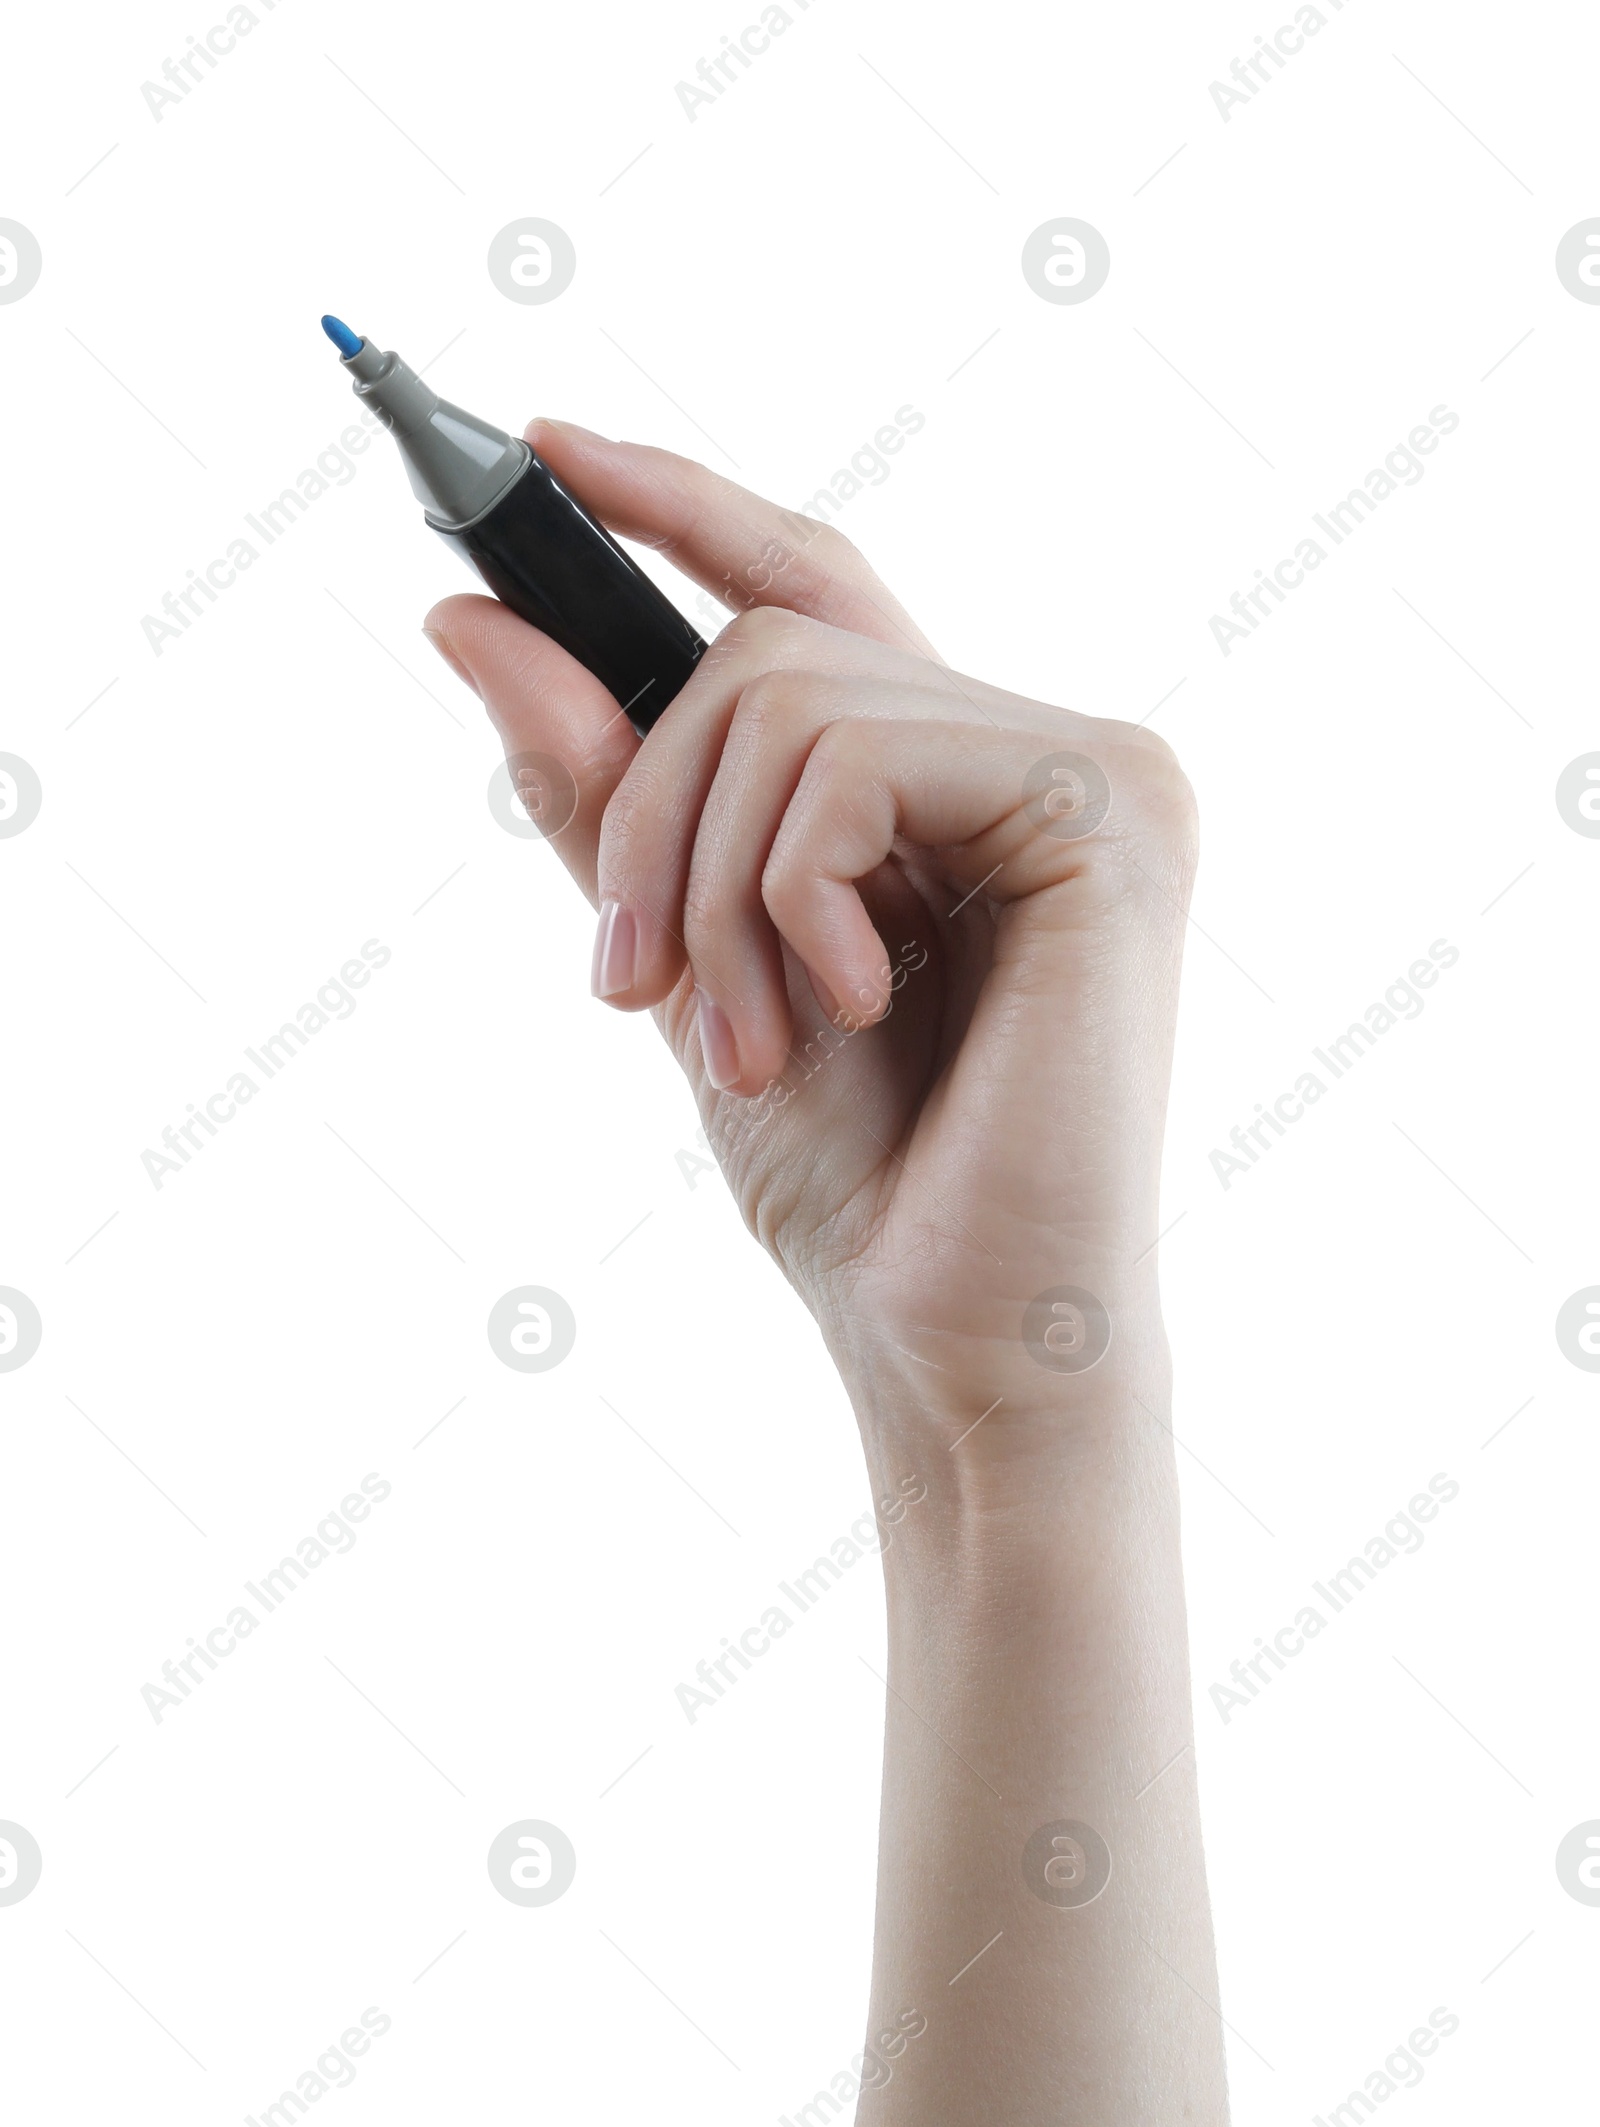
<point>931,1041</point>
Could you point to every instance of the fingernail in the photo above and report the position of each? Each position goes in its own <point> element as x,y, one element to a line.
<point>717,1045</point>
<point>616,950</point>
<point>451,659</point>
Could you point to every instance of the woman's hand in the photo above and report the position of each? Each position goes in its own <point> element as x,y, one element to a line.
<point>914,940</point>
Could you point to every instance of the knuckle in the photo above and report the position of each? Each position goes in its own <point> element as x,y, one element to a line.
<point>768,699</point>
<point>775,700</point>
<point>830,550</point>
<point>780,884</point>
<point>622,827</point>
<point>705,904</point>
<point>760,633</point>
<point>594,764</point>
<point>1162,793</point>
<point>839,750</point>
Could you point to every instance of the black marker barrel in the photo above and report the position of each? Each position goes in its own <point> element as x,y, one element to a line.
<point>544,556</point>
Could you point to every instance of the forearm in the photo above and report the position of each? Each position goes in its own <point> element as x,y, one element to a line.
<point>1038,1679</point>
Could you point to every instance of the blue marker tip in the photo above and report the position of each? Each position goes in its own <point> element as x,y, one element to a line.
<point>348,343</point>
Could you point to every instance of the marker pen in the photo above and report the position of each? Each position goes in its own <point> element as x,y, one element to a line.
<point>534,544</point>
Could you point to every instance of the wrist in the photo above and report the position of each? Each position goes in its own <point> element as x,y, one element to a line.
<point>1008,1456</point>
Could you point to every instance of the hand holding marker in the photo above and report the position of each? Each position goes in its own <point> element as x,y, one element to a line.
<point>832,823</point>
<point>534,544</point>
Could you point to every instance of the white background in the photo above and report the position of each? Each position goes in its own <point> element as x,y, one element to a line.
<point>838,236</point>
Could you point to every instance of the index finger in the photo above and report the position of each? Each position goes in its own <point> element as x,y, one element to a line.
<point>737,545</point>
